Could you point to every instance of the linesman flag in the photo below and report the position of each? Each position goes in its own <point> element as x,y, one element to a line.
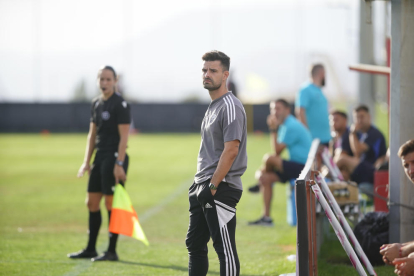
<point>124,220</point>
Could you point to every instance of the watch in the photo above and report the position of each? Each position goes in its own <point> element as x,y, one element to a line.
<point>119,163</point>
<point>212,186</point>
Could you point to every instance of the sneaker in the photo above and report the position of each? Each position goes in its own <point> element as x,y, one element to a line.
<point>254,189</point>
<point>106,256</point>
<point>263,221</point>
<point>83,254</point>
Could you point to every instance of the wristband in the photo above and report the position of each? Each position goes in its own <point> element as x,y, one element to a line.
<point>119,163</point>
<point>212,186</point>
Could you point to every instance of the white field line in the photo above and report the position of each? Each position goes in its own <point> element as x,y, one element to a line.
<point>85,264</point>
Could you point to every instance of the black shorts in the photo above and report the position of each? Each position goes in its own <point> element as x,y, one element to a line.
<point>291,170</point>
<point>364,172</point>
<point>325,144</point>
<point>102,179</point>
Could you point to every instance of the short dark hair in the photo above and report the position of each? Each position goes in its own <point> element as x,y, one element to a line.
<point>315,68</point>
<point>283,102</point>
<point>107,67</point>
<point>362,107</point>
<point>406,148</point>
<point>340,113</point>
<point>217,55</point>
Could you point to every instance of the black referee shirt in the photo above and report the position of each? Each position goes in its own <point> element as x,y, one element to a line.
<point>107,115</point>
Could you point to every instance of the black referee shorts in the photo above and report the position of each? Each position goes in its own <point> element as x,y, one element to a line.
<point>102,179</point>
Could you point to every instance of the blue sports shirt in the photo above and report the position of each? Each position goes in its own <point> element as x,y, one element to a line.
<point>297,139</point>
<point>311,98</point>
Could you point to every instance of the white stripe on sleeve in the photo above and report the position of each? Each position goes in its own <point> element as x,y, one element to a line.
<point>228,114</point>
<point>231,109</point>
<point>234,108</point>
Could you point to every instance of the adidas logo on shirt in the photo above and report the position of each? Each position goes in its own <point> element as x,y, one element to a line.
<point>208,205</point>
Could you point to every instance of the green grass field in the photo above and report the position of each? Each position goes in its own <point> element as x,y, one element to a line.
<point>43,216</point>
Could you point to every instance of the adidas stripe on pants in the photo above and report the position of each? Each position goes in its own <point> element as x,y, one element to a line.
<point>213,217</point>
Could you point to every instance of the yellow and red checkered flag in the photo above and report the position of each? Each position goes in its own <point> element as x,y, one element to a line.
<point>124,220</point>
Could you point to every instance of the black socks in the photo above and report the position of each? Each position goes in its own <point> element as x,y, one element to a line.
<point>113,238</point>
<point>95,220</point>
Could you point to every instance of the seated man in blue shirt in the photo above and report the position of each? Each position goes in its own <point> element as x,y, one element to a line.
<point>286,132</point>
<point>312,106</point>
<point>367,145</point>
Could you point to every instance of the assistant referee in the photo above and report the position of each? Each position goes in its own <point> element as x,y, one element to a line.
<point>217,186</point>
<point>108,134</point>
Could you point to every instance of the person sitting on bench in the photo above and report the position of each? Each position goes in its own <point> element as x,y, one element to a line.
<point>402,254</point>
<point>368,148</point>
<point>340,142</point>
<point>286,132</point>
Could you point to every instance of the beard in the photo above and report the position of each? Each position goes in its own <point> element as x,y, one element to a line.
<point>211,86</point>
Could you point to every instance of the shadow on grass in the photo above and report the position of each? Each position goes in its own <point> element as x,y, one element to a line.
<point>174,267</point>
